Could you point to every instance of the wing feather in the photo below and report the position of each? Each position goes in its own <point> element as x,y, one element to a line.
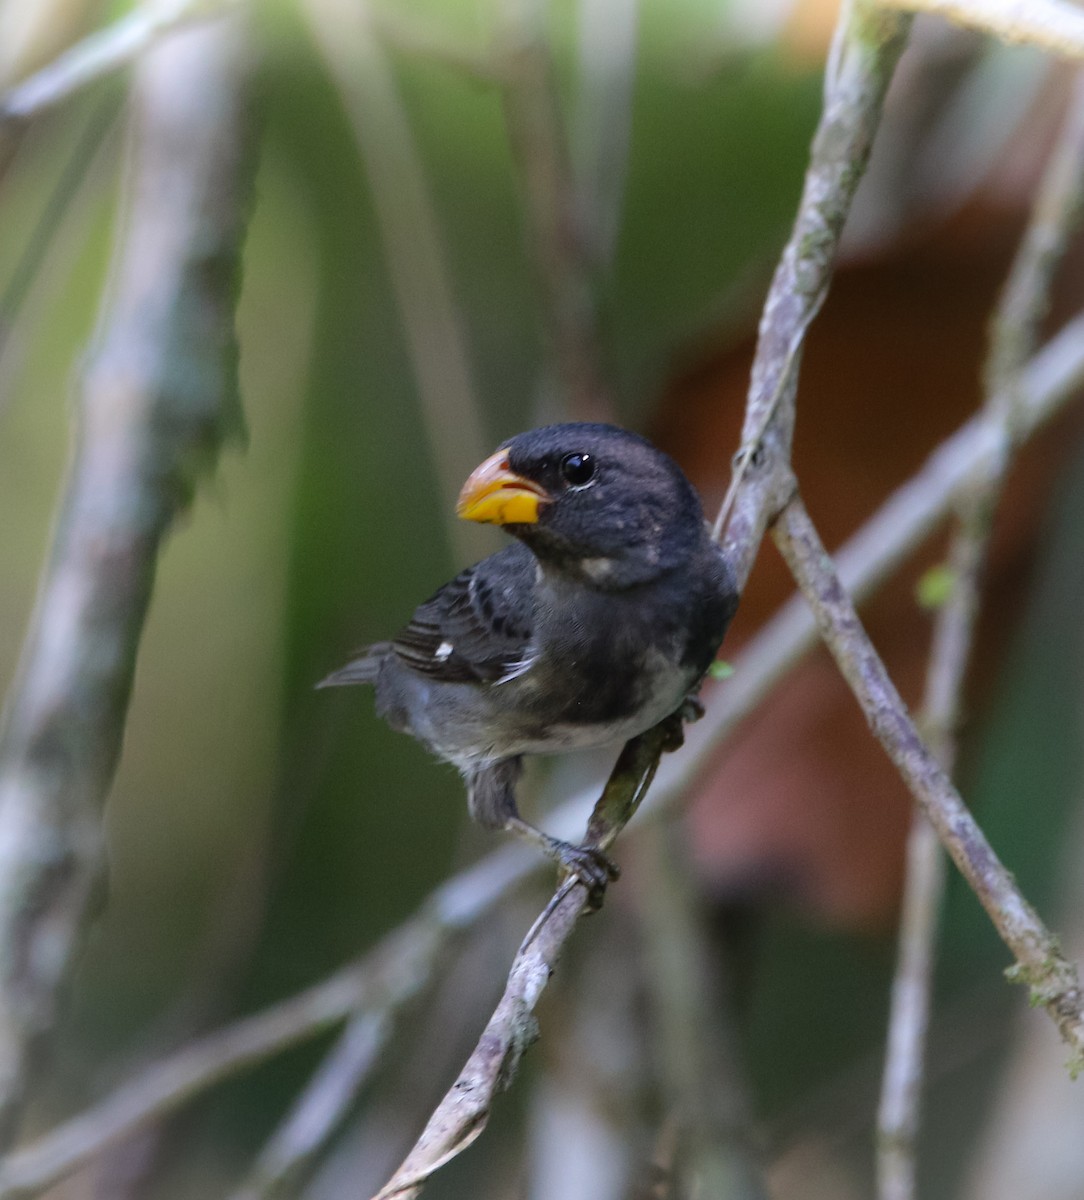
<point>477,628</point>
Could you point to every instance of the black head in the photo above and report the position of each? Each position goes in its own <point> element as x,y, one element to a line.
<point>591,500</point>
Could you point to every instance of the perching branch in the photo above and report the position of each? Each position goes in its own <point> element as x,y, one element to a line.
<point>1024,302</point>
<point>865,50</point>
<point>463,1113</point>
<point>867,44</point>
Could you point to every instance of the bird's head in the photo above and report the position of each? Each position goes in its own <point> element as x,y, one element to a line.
<point>590,500</point>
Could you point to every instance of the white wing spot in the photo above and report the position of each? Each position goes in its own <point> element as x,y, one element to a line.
<point>515,670</point>
<point>443,651</point>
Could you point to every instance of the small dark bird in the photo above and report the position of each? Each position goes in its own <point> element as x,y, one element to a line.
<point>594,626</point>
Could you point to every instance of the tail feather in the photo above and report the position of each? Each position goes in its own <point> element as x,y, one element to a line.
<point>359,670</point>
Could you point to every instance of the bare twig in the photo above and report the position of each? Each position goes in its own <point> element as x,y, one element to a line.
<point>157,400</point>
<point>1039,962</point>
<point>1015,328</point>
<point>1025,300</point>
<point>102,53</point>
<point>899,1111</point>
<point>865,50</point>
<point>1055,375</point>
<point>1052,25</point>
<point>381,982</point>
<point>591,1093</point>
<point>318,1111</point>
<point>906,518</point>
<point>463,1113</point>
<point>413,248</point>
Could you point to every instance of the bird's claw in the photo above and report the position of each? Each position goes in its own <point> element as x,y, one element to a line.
<point>592,867</point>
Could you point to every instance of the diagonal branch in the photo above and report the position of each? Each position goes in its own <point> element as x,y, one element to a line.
<point>1039,963</point>
<point>865,50</point>
<point>101,53</point>
<point>464,1112</point>
<point>1023,304</point>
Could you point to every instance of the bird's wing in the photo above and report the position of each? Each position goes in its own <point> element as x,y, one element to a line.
<point>476,628</point>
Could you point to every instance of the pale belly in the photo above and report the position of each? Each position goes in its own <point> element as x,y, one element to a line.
<point>522,732</point>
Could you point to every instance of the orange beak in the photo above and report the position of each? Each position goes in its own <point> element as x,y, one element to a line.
<point>495,495</point>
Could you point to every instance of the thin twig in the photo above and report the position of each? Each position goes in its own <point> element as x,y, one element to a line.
<point>320,1109</point>
<point>865,50</point>
<point>1052,25</point>
<point>381,981</point>
<point>413,249</point>
<point>866,47</point>
<point>464,1112</point>
<point>1039,962</point>
<point>1026,298</point>
<point>102,53</point>
<point>157,400</point>
<point>903,522</point>
<point>899,1110</point>
<point>1024,302</point>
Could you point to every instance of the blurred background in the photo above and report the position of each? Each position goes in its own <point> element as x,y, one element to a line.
<point>471,217</point>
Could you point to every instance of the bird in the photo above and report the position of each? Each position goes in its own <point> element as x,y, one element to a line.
<point>598,621</point>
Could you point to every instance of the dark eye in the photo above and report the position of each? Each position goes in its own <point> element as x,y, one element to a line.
<point>578,469</point>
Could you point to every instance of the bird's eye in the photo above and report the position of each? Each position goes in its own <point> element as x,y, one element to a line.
<point>578,469</point>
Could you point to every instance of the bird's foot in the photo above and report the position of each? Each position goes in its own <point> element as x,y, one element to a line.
<point>591,866</point>
<point>588,864</point>
<point>691,710</point>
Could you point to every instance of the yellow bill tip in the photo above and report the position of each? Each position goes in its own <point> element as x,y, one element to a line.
<point>496,495</point>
